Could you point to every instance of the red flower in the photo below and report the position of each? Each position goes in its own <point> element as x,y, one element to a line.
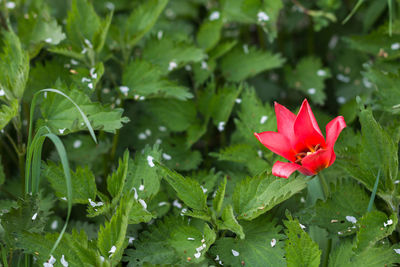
<point>300,141</point>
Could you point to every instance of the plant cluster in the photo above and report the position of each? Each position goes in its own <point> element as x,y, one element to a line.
<point>133,133</point>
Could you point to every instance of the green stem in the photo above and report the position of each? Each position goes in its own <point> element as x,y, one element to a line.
<point>325,260</point>
<point>324,185</point>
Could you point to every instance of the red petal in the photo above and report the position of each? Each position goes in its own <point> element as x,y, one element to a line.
<point>306,128</point>
<point>284,169</point>
<point>277,143</point>
<point>333,129</point>
<point>285,120</point>
<point>317,161</point>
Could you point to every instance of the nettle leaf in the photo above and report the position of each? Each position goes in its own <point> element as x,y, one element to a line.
<point>14,67</point>
<point>181,157</point>
<point>254,117</point>
<point>229,222</point>
<point>112,236</point>
<point>374,226</point>
<point>309,77</point>
<point>142,19</point>
<point>209,33</point>
<point>145,79</point>
<point>245,154</point>
<point>221,104</point>
<point>262,246</point>
<point>300,249</point>
<point>116,181</point>
<point>142,174</point>
<point>179,53</point>
<point>272,9</point>
<point>8,112</point>
<point>172,241</point>
<point>219,196</point>
<point>187,189</point>
<point>252,62</point>
<point>83,182</point>
<point>349,200</point>
<point>62,117</point>
<point>255,196</point>
<point>176,115</point>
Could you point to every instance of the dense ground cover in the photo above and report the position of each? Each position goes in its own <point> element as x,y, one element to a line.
<point>127,133</point>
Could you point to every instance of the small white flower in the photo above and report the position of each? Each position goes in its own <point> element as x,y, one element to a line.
<point>302,226</point>
<point>343,78</point>
<point>52,260</point>
<point>397,250</point>
<point>204,189</point>
<point>77,144</point>
<point>112,251</point>
<point>321,73</point>
<point>166,156</point>
<point>88,43</point>
<point>85,80</point>
<point>54,225</point>
<point>238,100</point>
<point>389,222</point>
<point>150,161</point>
<point>63,261</point>
<point>351,219</point>
<point>142,136</point>
<point>84,50</point>
<point>311,91</point>
<point>172,65</point>
<point>101,258</point>
<point>221,126</point>
<point>141,187</point>
<point>263,119</point>
<point>235,253</point>
<point>90,85</point>
<point>273,242</point>
<point>262,16</point>
<point>214,15</point>
<point>366,82</point>
<point>177,204</point>
<point>131,239</point>
<point>341,100</point>
<point>10,5</point>
<point>62,130</point>
<point>162,128</point>
<point>397,182</point>
<point>34,216</point>
<point>159,35</point>
<point>197,255</point>
<point>124,90</point>
<point>48,40</point>
<point>109,6</point>
<point>204,65</point>
<point>147,132</point>
<point>395,46</point>
<point>2,93</point>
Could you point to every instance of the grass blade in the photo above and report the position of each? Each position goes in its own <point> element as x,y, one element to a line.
<point>371,200</point>
<point>353,11</point>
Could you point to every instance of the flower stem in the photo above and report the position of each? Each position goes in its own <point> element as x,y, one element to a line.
<point>324,186</point>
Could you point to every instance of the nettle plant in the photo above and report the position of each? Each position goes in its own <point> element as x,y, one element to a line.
<point>143,133</point>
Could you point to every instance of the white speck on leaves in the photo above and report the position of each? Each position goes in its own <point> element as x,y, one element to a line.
<point>141,187</point>
<point>172,65</point>
<point>311,91</point>
<point>302,226</point>
<point>351,219</point>
<point>341,100</point>
<point>389,222</point>
<point>2,93</point>
<point>142,136</point>
<point>62,130</point>
<point>77,144</point>
<point>54,225</point>
<point>238,100</point>
<point>366,82</point>
<point>162,128</point>
<point>262,16</point>
<point>235,253</point>
<point>221,126</point>
<point>263,119</point>
<point>273,242</point>
<point>214,15</point>
<point>74,62</point>
<point>190,238</point>
<point>88,43</point>
<point>147,132</point>
<point>204,189</point>
<point>204,65</point>
<point>143,203</point>
<point>112,250</point>
<point>10,5</point>
<point>245,48</point>
<point>395,46</point>
<point>163,203</point>
<point>197,255</point>
<point>321,73</point>
<point>131,239</point>
<point>343,78</point>
<point>160,35</point>
<point>48,40</point>
<point>166,156</point>
<point>124,90</point>
<point>397,250</point>
<point>177,204</point>
<point>34,216</point>
<point>63,261</point>
<point>150,161</point>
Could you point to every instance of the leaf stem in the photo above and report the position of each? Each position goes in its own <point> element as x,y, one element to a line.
<point>324,185</point>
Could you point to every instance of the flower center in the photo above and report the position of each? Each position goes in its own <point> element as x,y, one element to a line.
<point>303,154</point>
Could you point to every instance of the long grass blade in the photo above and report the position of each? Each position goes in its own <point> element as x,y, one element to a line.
<point>353,11</point>
<point>371,200</point>
<point>390,7</point>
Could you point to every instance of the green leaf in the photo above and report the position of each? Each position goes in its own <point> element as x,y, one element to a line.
<point>229,222</point>
<point>374,226</point>
<point>62,117</point>
<point>8,112</point>
<point>209,33</point>
<point>301,250</point>
<point>142,19</point>
<point>82,24</point>
<point>252,62</point>
<point>83,182</point>
<point>14,67</point>
<point>116,181</point>
<point>309,77</point>
<point>179,53</point>
<point>145,79</point>
<point>348,199</point>
<point>139,212</point>
<point>2,175</point>
<point>100,36</point>
<point>141,175</point>
<point>219,196</point>
<point>222,102</point>
<point>176,115</point>
<point>255,196</point>
<point>112,236</point>
<point>188,189</point>
<point>262,246</point>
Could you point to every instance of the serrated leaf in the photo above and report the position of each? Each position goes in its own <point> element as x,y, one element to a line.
<point>374,226</point>
<point>112,236</point>
<point>209,33</point>
<point>83,182</point>
<point>188,189</point>
<point>252,62</point>
<point>219,196</point>
<point>308,77</point>
<point>145,79</point>
<point>60,114</point>
<point>349,199</point>
<point>100,36</point>
<point>116,181</point>
<point>180,53</point>
<point>255,196</point>
<point>221,104</point>
<point>263,246</point>
<point>301,250</point>
<point>230,223</point>
<point>142,19</point>
<point>8,112</point>
<point>14,67</point>
<point>176,115</point>
<point>139,213</point>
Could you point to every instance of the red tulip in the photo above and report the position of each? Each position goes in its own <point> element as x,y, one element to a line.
<point>300,141</point>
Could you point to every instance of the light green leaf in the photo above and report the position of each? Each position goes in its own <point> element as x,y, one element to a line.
<point>139,213</point>
<point>222,102</point>
<point>100,36</point>
<point>219,196</point>
<point>83,182</point>
<point>14,67</point>
<point>252,62</point>
<point>116,181</point>
<point>230,223</point>
<point>8,112</point>
<point>263,246</point>
<point>62,117</point>
<point>308,77</point>
<point>301,250</point>
<point>145,79</point>
<point>142,19</point>
<point>255,196</point>
<point>188,189</point>
<point>209,33</point>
